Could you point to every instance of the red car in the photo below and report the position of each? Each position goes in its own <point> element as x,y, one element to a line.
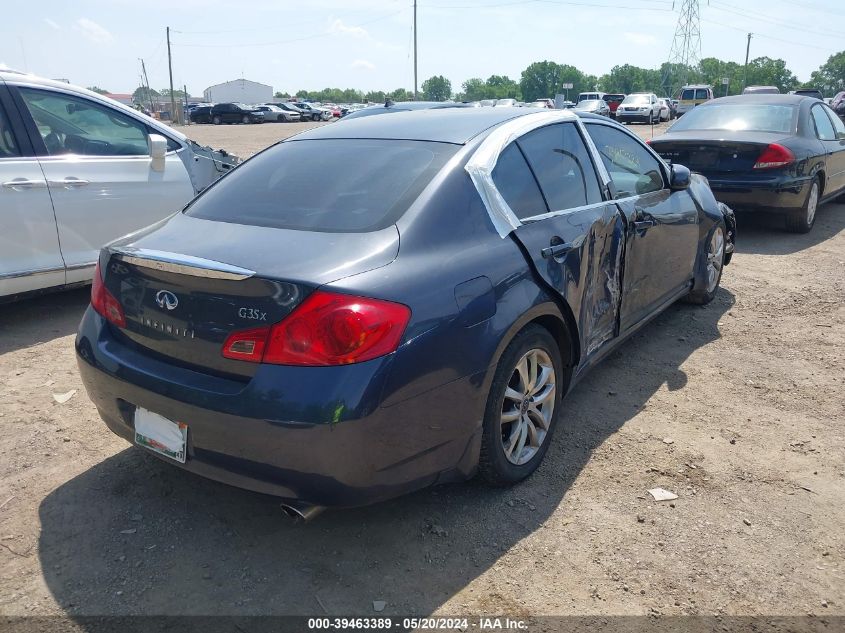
<point>613,101</point>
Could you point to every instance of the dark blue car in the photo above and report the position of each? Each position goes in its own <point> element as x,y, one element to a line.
<point>410,312</point>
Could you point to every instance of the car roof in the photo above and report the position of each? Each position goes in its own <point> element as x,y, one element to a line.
<point>759,98</point>
<point>445,125</point>
<point>17,77</point>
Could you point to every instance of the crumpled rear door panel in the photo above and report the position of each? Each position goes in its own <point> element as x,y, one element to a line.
<point>580,254</point>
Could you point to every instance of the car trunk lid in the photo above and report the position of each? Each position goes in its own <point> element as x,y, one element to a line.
<point>712,153</point>
<point>182,306</point>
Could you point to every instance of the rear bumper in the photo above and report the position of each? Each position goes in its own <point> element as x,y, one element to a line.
<point>316,435</point>
<point>777,195</point>
<point>632,116</point>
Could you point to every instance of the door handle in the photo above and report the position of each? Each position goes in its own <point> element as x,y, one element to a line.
<point>70,183</point>
<point>19,184</point>
<point>556,250</point>
<point>642,225</point>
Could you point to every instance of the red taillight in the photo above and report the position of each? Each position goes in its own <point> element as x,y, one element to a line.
<point>325,329</point>
<point>648,141</point>
<point>104,302</point>
<point>247,344</point>
<point>774,156</point>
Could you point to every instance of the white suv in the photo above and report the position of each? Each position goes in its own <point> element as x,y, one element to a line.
<point>639,106</point>
<point>78,170</point>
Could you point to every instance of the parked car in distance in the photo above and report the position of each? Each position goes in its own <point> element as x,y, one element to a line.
<point>277,114</point>
<point>596,106</point>
<point>639,106</point>
<point>200,114</point>
<point>808,92</point>
<point>404,106</point>
<point>666,110</point>
<point>613,100</point>
<point>590,96</point>
<point>235,113</point>
<point>78,170</point>
<point>506,103</point>
<point>838,103</point>
<point>692,96</point>
<point>542,103</point>
<point>760,90</point>
<point>470,276</point>
<point>309,111</point>
<point>566,105</point>
<point>781,154</point>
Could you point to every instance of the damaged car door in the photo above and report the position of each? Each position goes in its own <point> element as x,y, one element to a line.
<point>571,234</point>
<point>663,231</point>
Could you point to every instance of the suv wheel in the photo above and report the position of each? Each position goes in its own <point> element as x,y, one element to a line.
<point>245,118</point>
<point>216,120</point>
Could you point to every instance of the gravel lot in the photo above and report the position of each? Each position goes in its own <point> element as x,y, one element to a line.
<point>737,407</point>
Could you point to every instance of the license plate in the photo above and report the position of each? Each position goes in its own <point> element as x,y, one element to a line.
<point>161,435</point>
<point>701,159</point>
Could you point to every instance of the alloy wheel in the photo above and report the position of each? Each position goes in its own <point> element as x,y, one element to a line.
<point>528,406</point>
<point>812,203</point>
<point>715,258</point>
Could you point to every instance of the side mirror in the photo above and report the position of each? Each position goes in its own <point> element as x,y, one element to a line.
<point>679,178</point>
<point>158,148</point>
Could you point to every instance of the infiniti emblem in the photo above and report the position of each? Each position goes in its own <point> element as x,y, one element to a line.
<point>166,299</point>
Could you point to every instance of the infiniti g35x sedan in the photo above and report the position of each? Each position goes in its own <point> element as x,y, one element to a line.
<point>415,319</point>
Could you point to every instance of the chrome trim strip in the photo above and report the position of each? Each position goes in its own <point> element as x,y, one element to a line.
<point>30,273</point>
<point>180,264</point>
<point>554,214</point>
<point>81,266</point>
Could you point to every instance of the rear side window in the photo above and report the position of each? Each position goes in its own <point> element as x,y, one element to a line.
<point>8,145</point>
<point>559,159</point>
<point>688,94</point>
<point>824,128</point>
<point>702,93</point>
<point>516,183</point>
<point>335,185</point>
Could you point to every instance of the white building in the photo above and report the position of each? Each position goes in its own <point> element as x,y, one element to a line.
<point>239,90</point>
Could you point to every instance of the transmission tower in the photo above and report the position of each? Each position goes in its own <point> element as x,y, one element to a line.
<point>686,47</point>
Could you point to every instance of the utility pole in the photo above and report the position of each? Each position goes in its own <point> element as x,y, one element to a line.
<point>146,84</point>
<point>747,50</point>
<point>185,92</point>
<point>415,50</point>
<point>173,117</point>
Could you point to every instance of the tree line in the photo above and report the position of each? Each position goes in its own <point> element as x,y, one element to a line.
<point>546,79</point>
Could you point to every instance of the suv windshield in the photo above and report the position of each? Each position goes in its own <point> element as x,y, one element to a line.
<point>370,184</point>
<point>757,117</point>
<point>636,99</point>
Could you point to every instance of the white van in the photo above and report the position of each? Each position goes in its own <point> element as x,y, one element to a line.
<point>590,96</point>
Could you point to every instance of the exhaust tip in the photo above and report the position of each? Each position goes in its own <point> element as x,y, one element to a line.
<point>301,511</point>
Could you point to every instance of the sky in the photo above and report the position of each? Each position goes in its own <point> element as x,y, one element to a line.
<point>368,44</point>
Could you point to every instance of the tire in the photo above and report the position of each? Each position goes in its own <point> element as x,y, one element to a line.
<point>802,221</point>
<point>714,254</point>
<point>534,424</point>
<point>217,120</point>
<point>245,119</point>
<point>315,117</point>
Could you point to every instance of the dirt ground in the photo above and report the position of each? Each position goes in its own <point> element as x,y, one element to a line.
<point>737,407</point>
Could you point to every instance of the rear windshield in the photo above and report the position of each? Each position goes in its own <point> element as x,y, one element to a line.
<point>687,95</point>
<point>614,98</point>
<point>756,117</point>
<point>335,185</point>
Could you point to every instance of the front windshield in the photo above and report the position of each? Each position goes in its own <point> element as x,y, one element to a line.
<point>736,117</point>
<point>636,99</point>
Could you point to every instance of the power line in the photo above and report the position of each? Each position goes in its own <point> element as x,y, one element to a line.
<point>790,25</point>
<point>511,3</point>
<point>765,36</point>
<point>292,40</point>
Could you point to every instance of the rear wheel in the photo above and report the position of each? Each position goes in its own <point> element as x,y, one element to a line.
<point>217,120</point>
<point>714,261</point>
<point>245,119</point>
<point>522,407</point>
<point>802,221</point>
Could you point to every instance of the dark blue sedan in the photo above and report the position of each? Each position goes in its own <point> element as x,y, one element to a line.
<point>410,312</point>
<point>769,153</point>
